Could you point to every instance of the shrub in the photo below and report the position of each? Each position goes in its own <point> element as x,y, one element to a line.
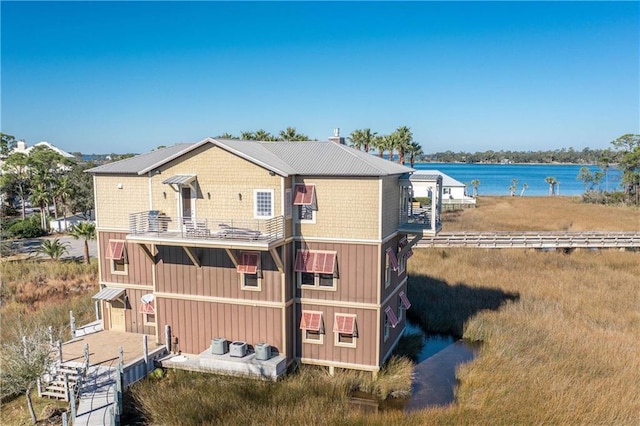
<point>27,228</point>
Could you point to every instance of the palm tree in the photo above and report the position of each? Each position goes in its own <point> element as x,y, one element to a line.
<point>387,143</point>
<point>475,183</point>
<point>290,135</point>
<point>415,150</point>
<point>262,135</point>
<point>402,138</point>
<point>379,145</point>
<point>247,136</point>
<point>55,248</point>
<point>524,188</point>
<point>226,135</point>
<point>513,187</point>
<point>63,191</point>
<point>86,231</point>
<point>552,184</point>
<point>363,138</point>
<point>40,198</point>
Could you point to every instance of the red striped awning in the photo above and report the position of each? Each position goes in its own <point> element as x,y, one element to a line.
<point>304,195</point>
<point>402,243</point>
<point>147,308</point>
<point>345,324</point>
<point>248,262</point>
<point>392,258</point>
<point>311,321</point>
<point>316,261</point>
<point>393,319</point>
<point>115,250</point>
<point>404,300</point>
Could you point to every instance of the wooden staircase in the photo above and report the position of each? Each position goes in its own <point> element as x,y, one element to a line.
<point>61,382</point>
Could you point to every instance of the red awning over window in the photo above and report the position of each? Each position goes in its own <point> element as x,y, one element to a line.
<point>248,262</point>
<point>311,321</point>
<point>404,300</point>
<point>324,262</point>
<point>314,261</point>
<point>402,243</point>
<point>304,195</point>
<point>393,319</point>
<point>392,258</point>
<point>345,324</point>
<point>115,250</point>
<point>147,308</point>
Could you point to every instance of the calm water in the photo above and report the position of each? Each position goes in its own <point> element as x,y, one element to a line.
<point>495,179</point>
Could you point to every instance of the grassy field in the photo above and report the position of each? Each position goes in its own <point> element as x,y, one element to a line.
<point>559,332</point>
<point>541,214</point>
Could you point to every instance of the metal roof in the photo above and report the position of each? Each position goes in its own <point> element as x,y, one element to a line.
<point>140,163</point>
<point>109,293</point>
<point>311,158</point>
<point>426,175</point>
<point>179,179</point>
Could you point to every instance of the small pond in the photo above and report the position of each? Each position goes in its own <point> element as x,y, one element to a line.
<point>434,382</point>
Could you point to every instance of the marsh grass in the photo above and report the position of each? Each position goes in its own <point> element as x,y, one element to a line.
<point>560,348</point>
<point>541,214</point>
<point>309,396</point>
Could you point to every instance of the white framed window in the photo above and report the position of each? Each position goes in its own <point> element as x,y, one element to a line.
<point>263,203</point>
<point>148,311</point>
<point>390,321</point>
<point>305,202</point>
<point>249,270</point>
<point>345,330</point>
<point>387,272</point>
<point>149,319</point>
<point>312,326</point>
<point>288,203</point>
<point>117,255</point>
<point>391,265</point>
<point>317,269</point>
<point>403,304</point>
<point>402,265</point>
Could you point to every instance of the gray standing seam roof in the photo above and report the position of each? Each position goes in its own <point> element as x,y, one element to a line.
<point>311,158</point>
<point>109,293</point>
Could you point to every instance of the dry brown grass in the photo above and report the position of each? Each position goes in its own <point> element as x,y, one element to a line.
<point>565,351</point>
<point>541,214</point>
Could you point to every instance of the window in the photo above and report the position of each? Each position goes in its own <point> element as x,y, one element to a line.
<point>263,203</point>
<point>392,264</point>
<point>148,311</point>
<point>312,327</point>
<point>387,272</point>
<point>287,203</point>
<point>386,328</point>
<point>316,268</point>
<point>403,304</point>
<point>305,202</point>
<point>117,254</point>
<point>249,270</point>
<point>345,330</point>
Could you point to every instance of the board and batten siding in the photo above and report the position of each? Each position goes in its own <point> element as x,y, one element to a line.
<point>394,333</point>
<point>358,266</point>
<point>396,276</point>
<point>196,323</point>
<point>140,268</point>
<point>327,353</point>
<point>346,208</point>
<point>225,184</point>
<point>117,196</point>
<point>217,276</point>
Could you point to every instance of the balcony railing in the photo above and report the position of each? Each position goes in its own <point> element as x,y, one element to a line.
<point>156,224</point>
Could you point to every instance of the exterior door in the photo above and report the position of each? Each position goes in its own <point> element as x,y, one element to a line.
<point>185,195</point>
<point>116,316</point>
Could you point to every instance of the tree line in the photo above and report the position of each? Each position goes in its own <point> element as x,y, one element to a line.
<point>563,155</point>
<point>46,179</point>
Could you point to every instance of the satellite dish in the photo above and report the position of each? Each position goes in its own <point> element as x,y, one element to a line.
<point>147,298</point>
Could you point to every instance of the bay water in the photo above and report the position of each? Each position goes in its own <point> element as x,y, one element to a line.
<point>495,179</point>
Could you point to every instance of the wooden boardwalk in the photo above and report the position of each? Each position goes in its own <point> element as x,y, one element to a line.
<point>536,240</point>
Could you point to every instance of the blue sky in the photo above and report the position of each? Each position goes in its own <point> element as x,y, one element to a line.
<point>101,77</point>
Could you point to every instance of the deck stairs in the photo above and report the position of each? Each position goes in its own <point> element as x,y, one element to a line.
<point>61,381</point>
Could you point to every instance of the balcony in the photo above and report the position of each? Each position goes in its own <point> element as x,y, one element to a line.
<point>426,221</point>
<point>156,228</point>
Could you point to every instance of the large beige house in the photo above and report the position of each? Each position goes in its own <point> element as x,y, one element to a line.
<point>300,245</point>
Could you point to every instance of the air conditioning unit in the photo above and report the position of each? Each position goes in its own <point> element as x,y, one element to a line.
<point>263,351</point>
<point>238,349</point>
<point>219,346</point>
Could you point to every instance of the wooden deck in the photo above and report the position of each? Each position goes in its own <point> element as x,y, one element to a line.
<point>103,347</point>
<point>537,240</point>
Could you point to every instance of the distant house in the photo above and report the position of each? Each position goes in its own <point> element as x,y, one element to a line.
<point>21,146</point>
<point>453,191</point>
<point>302,246</point>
